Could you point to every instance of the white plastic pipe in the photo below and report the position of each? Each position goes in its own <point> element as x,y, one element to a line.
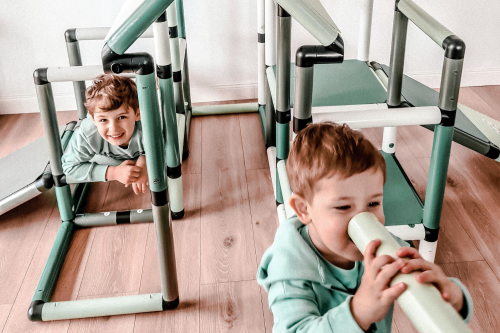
<point>281,213</point>
<point>365,30</point>
<point>162,45</point>
<point>422,303</point>
<point>270,29</point>
<point>427,250</point>
<point>389,139</point>
<point>181,127</point>
<point>127,9</point>
<point>77,73</point>
<point>271,157</point>
<point>407,233</point>
<point>285,188</point>
<point>381,118</point>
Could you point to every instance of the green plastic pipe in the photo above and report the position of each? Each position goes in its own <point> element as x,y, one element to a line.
<point>436,181</point>
<point>180,19</point>
<point>422,303</point>
<point>138,22</point>
<point>65,203</point>
<point>285,188</point>
<point>151,122</point>
<point>54,263</point>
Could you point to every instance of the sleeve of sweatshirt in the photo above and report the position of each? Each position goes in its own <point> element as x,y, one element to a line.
<point>295,309</point>
<point>76,161</point>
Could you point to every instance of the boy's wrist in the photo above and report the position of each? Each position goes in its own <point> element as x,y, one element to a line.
<point>356,315</point>
<point>110,175</point>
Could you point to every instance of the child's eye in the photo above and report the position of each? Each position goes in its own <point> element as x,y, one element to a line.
<point>373,204</point>
<point>343,207</point>
<point>121,117</point>
<point>102,120</point>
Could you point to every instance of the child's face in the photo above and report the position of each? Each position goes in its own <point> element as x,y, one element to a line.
<point>336,201</point>
<point>116,126</point>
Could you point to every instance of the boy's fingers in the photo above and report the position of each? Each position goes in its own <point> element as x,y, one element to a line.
<point>381,261</point>
<point>408,252</point>
<point>392,293</point>
<point>417,265</point>
<point>431,276</point>
<point>388,272</point>
<point>370,249</point>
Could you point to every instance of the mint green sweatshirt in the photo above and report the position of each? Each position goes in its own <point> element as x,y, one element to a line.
<point>88,155</point>
<point>309,294</point>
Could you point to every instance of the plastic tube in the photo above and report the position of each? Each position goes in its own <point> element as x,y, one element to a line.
<point>422,303</point>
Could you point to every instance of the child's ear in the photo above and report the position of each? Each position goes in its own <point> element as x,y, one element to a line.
<point>138,115</point>
<point>300,206</point>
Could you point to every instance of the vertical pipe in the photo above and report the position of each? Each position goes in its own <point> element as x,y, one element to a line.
<point>400,26</point>
<point>185,68</point>
<point>270,120</point>
<point>270,61</point>
<point>164,73</point>
<point>51,129</point>
<point>302,104</point>
<point>261,63</point>
<point>365,29</point>
<point>75,59</point>
<point>389,140</point>
<point>282,92</point>
<point>151,122</point>
<point>176,69</point>
<point>440,156</point>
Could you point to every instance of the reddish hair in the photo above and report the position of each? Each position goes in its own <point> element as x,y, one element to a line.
<point>109,92</point>
<point>322,150</point>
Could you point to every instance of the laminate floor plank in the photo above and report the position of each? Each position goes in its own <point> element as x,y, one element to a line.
<point>17,321</point>
<point>21,232</point>
<point>4,313</point>
<point>484,288</point>
<point>115,260</point>
<point>227,247</point>
<point>7,123</point>
<point>268,315</point>
<point>231,307</point>
<point>262,210</point>
<point>185,318</point>
<point>490,95</point>
<point>254,148</point>
<point>193,163</point>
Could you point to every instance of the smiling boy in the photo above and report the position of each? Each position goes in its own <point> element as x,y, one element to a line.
<point>108,144</point>
<point>317,279</point>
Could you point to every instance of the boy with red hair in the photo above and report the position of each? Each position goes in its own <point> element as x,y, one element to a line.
<point>108,144</point>
<point>317,279</point>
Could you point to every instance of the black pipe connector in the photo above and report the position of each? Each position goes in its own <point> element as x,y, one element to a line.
<point>431,235</point>
<point>448,118</point>
<point>282,12</point>
<point>35,311</point>
<point>166,305</point>
<point>40,76</point>
<point>310,55</point>
<point>162,17</point>
<point>454,47</point>
<point>159,199</point>
<point>175,172</point>
<point>164,72</point>
<point>140,63</point>
<point>44,182</point>
<point>70,36</point>
<point>300,124</point>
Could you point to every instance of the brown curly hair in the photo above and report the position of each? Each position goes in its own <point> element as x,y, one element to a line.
<point>108,92</point>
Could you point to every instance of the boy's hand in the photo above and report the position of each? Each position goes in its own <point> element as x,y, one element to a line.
<point>126,173</point>
<point>375,296</point>
<point>432,273</point>
<point>139,186</point>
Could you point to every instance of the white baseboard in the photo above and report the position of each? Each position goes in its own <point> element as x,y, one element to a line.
<point>470,78</point>
<point>66,101</point>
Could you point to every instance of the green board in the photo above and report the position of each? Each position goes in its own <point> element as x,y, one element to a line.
<point>402,206</point>
<point>351,82</point>
<point>418,94</point>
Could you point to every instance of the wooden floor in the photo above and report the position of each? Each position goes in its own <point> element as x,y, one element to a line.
<point>230,221</point>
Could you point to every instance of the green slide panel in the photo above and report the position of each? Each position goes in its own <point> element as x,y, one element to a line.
<point>466,133</point>
<point>402,205</point>
<point>349,83</point>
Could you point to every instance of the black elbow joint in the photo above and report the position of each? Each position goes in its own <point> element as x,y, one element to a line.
<point>40,76</point>
<point>44,182</point>
<point>454,47</point>
<point>70,36</point>
<point>35,311</point>
<point>310,55</point>
<point>140,63</point>
<point>431,235</point>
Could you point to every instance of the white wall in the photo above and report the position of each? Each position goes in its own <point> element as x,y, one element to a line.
<point>222,42</point>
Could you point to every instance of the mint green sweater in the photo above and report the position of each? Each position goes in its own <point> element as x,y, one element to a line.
<point>88,155</point>
<point>309,294</point>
